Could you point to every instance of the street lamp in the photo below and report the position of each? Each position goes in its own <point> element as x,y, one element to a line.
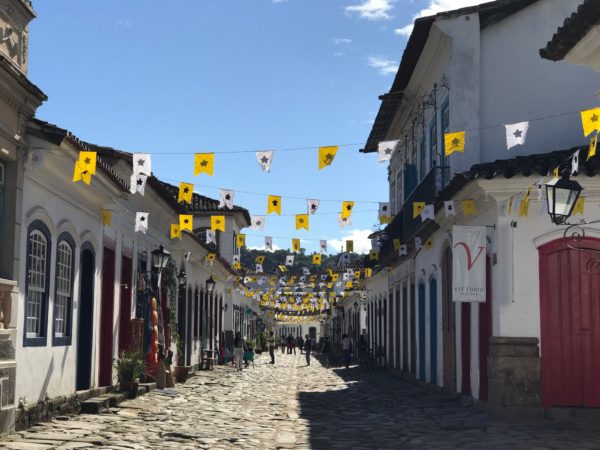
<point>160,258</point>
<point>182,276</point>
<point>561,195</point>
<point>210,284</point>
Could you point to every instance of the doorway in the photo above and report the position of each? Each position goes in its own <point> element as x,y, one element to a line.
<point>125,305</point>
<point>448,323</point>
<point>106,317</point>
<point>85,327</point>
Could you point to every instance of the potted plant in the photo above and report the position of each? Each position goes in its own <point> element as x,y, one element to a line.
<point>180,370</point>
<point>130,366</point>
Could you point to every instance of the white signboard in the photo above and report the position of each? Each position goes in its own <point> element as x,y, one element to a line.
<point>468,264</point>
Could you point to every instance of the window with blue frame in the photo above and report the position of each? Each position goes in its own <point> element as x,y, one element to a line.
<point>63,286</point>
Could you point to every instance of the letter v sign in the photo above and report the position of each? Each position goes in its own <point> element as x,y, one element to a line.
<point>470,263</point>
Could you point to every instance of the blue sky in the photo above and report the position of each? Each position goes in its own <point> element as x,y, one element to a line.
<point>179,77</point>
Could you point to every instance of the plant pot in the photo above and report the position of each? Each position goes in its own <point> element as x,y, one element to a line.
<point>180,373</point>
<point>125,386</point>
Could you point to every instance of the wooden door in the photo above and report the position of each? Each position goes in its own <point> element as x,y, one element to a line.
<point>106,318</point>
<point>465,348</point>
<point>125,306</point>
<point>448,323</point>
<point>390,335</point>
<point>421,300</point>
<point>433,324</point>
<point>398,327</point>
<point>405,329</point>
<point>485,332</point>
<point>570,323</point>
<point>413,331</point>
<point>85,327</point>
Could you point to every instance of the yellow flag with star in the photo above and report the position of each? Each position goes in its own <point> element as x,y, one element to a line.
<point>241,240</point>
<point>274,204</point>
<point>106,217</point>
<point>217,223</point>
<point>335,277</point>
<point>350,246</point>
<point>396,243</point>
<point>259,259</point>
<point>590,120</point>
<point>326,155</point>
<point>592,149</point>
<point>88,161</point>
<point>211,257</point>
<point>175,231</point>
<point>204,163</point>
<point>368,272</point>
<point>418,208</point>
<point>428,244</point>
<point>347,208</point>
<point>579,206</point>
<point>186,222</point>
<point>295,245</point>
<point>454,142</point>
<point>301,221</point>
<point>316,259</point>
<point>469,208</point>
<point>80,173</point>
<point>185,192</point>
<point>524,206</point>
<point>373,255</point>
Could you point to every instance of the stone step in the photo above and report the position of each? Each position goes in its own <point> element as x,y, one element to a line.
<point>148,387</point>
<point>114,399</point>
<point>94,405</point>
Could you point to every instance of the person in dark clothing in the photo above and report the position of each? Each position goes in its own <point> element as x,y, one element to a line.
<point>290,344</point>
<point>307,349</point>
<point>300,343</point>
<point>325,349</point>
<point>271,343</point>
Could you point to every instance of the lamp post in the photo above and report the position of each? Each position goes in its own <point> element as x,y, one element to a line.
<point>210,284</point>
<point>561,196</point>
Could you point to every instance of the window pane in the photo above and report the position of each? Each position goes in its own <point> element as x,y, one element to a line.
<point>36,288</point>
<point>64,269</point>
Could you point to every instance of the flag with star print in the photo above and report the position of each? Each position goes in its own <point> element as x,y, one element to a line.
<point>141,222</point>
<point>295,245</point>
<point>418,243</point>
<point>211,237</point>
<point>204,163</point>
<point>418,208</point>
<point>403,250</point>
<point>454,142</point>
<point>265,159</point>
<point>175,231</point>
<point>106,217</point>
<point>468,207</point>
<point>241,240</point>
<point>257,223</point>
<point>138,183</point>
<point>592,148</point>
<point>373,255</point>
<point>385,149</point>
<point>258,268</point>
<point>236,262</point>
<point>142,163</point>
<point>428,213</point>
<point>289,260</point>
<point>326,155</point>
<point>80,173</point>
<point>211,257</point>
<point>274,204</point>
<point>350,246</point>
<point>516,133</point>
<point>449,208</point>
<point>226,199</point>
<point>186,222</point>
<point>301,221</point>
<point>186,190</point>
<point>312,205</point>
<point>323,246</point>
<point>347,208</point>
<point>260,259</point>
<point>88,161</point>
<point>590,120</point>
<point>428,244</point>
<point>396,243</point>
<point>344,221</point>
<point>268,243</point>
<point>217,223</point>
<point>385,215</point>
<point>316,259</point>
<point>579,206</point>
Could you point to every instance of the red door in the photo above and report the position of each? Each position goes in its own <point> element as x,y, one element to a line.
<point>106,318</point>
<point>570,323</point>
<point>485,332</point>
<point>125,308</point>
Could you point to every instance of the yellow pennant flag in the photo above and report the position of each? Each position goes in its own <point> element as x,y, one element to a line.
<point>301,221</point>
<point>80,173</point>
<point>454,142</point>
<point>316,259</point>
<point>335,277</point>
<point>204,163</point>
<point>186,222</point>
<point>259,259</point>
<point>347,208</point>
<point>88,161</point>
<point>373,255</point>
<point>274,204</point>
<point>295,245</point>
<point>524,206</point>
<point>326,155</point>
<point>396,244</point>
<point>106,217</point>
<point>418,208</point>
<point>313,277</point>
<point>385,219</point>
<point>329,286</point>
<point>217,223</point>
<point>590,119</point>
<point>350,246</point>
<point>357,274</point>
<point>368,272</point>
<point>348,284</point>
<point>282,268</point>
<point>241,240</point>
<point>579,206</point>
<point>555,171</point>
<point>428,244</point>
<point>236,265</point>
<point>186,191</point>
<point>469,208</point>
<point>592,149</point>
<point>175,231</point>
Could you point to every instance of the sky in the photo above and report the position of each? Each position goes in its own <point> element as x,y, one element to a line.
<point>234,76</point>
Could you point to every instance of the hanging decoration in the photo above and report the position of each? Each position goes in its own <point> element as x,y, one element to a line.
<point>301,221</point>
<point>141,222</point>
<point>323,246</point>
<point>175,231</point>
<point>106,217</point>
<point>590,120</point>
<point>593,145</point>
<point>85,167</point>
<point>454,142</point>
<point>257,223</point>
<point>449,208</point>
<point>241,240</point>
<point>516,134</point>
<point>385,150</point>
<point>274,204</point>
<point>312,205</point>
<point>347,207</point>
<point>316,259</point>
<point>268,243</point>
<point>142,163</point>
<point>350,246</point>
<point>428,213</point>
<point>295,245</point>
<point>265,159</point>
<point>204,163</point>
<point>138,183</point>
<point>344,221</point>
<point>326,155</point>
<point>186,190</point>
<point>211,237</point>
<point>226,198</point>
<point>186,222</point>
<point>385,215</point>
<point>217,223</point>
<point>418,208</point>
<point>468,207</point>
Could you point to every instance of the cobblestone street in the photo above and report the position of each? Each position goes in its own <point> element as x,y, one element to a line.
<point>289,405</point>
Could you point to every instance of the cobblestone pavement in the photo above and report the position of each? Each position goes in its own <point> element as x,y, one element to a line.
<point>289,405</point>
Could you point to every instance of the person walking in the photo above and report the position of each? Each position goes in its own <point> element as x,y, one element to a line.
<point>300,344</point>
<point>325,350</point>
<point>239,347</point>
<point>308,349</point>
<point>282,344</point>
<point>271,344</point>
<point>347,349</point>
<point>290,342</point>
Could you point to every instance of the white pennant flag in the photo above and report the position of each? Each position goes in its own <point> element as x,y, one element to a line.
<point>517,204</point>
<point>403,250</point>
<point>257,222</point>
<point>385,149</point>
<point>305,271</point>
<point>516,134</point>
<point>141,222</point>
<point>236,259</point>
<point>575,163</point>
<point>449,208</point>
<point>211,237</point>
<point>265,159</point>
<point>226,199</point>
<point>418,243</point>
<point>289,260</point>
<point>540,186</point>
<point>142,163</point>
<point>259,268</point>
<point>138,183</point>
<point>323,246</point>
<point>428,213</point>
<point>384,209</point>
<point>344,221</point>
<point>268,243</point>
<point>312,205</point>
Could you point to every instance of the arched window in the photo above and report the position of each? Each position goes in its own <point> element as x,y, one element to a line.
<point>63,288</point>
<point>38,278</point>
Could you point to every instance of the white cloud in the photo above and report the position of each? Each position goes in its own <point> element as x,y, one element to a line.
<point>372,9</point>
<point>339,41</point>
<point>384,65</point>
<point>338,54</point>
<point>362,244</point>
<point>434,7</point>
<point>124,23</point>
<point>280,1</point>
